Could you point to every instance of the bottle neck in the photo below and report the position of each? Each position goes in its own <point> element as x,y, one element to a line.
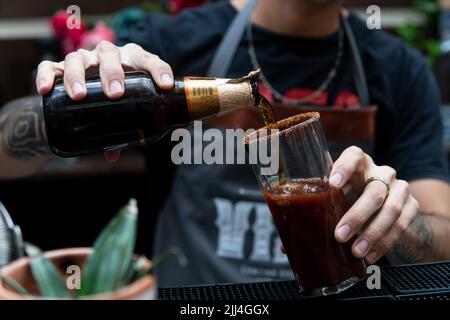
<point>208,97</point>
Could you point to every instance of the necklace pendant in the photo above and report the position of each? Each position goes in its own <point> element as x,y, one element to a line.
<point>276,95</point>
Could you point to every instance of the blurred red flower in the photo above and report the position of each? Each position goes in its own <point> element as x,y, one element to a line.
<point>74,39</point>
<point>101,32</point>
<point>70,38</point>
<point>175,6</point>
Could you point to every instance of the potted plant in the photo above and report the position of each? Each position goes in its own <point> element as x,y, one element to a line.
<point>108,271</point>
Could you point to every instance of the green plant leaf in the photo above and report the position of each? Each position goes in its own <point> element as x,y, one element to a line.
<point>432,48</point>
<point>107,268</point>
<point>13,284</point>
<point>408,32</point>
<point>46,275</point>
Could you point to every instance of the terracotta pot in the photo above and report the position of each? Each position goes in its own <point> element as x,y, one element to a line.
<point>19,270</point>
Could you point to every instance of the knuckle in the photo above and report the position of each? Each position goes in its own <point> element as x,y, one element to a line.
<point>132,46</point>
<point>389,171</point>
<point>377,194</point>
<point>403,225</point>
<point>394,209</point>
<point>73,55</point>
<point>86,54</point>
<point>150,56</point>
<point>356,150</point>
<point>45,64</point>
<point>105,46</point>
<point>374,234</point>
<point>403,186</point>
<point>367,158</point>
<point>357,219</point>
<point>147,55</point>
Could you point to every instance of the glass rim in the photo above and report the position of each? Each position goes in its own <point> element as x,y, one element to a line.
<point>284,126</point>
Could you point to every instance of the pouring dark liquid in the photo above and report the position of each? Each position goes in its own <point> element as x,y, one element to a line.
<point>271,123</point>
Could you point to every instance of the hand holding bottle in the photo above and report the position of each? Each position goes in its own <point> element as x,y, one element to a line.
<point>113,110</point>
<point>111,61</point>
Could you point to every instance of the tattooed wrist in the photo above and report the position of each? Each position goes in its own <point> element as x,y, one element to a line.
<point>417,243</point>
<point>22,131</point>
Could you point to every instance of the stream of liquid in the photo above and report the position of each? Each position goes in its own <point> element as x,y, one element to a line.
<point>271,123</point>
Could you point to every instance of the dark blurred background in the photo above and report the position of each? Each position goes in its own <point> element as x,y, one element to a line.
<point>70,201</point>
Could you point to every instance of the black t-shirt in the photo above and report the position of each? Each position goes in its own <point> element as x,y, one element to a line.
<point>216,214</point>
<point>409,135</point>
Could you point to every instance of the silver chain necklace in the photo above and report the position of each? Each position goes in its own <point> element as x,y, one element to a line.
<point>276,94</point>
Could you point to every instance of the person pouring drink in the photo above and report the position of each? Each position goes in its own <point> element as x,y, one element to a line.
<point>311,55</point>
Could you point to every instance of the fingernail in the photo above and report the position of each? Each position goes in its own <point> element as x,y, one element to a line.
<point>372,257</point>
<point>166,79</point>
<point>336,179</point>
<point>77,88</point>
<point>344,232</point>
<point>115,86</point>
<point>361,247</point>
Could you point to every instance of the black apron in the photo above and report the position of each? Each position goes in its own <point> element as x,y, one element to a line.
<point>216,213</point>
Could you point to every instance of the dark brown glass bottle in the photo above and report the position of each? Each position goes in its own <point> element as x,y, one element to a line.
<point>142,115</point>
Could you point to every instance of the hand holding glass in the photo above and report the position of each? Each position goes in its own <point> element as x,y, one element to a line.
<point>305,208</point>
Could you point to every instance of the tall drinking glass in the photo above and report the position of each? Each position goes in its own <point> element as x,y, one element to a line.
<point>304,207</point>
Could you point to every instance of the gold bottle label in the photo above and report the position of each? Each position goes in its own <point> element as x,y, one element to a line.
<point>216,96</point>
<point>202,96</point>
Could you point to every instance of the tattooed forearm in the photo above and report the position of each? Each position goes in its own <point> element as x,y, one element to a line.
<point>22,133</point>
<point>416,245</point>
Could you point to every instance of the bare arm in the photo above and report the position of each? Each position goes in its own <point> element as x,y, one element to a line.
<point>23,144</point>
<point>428,237</point>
